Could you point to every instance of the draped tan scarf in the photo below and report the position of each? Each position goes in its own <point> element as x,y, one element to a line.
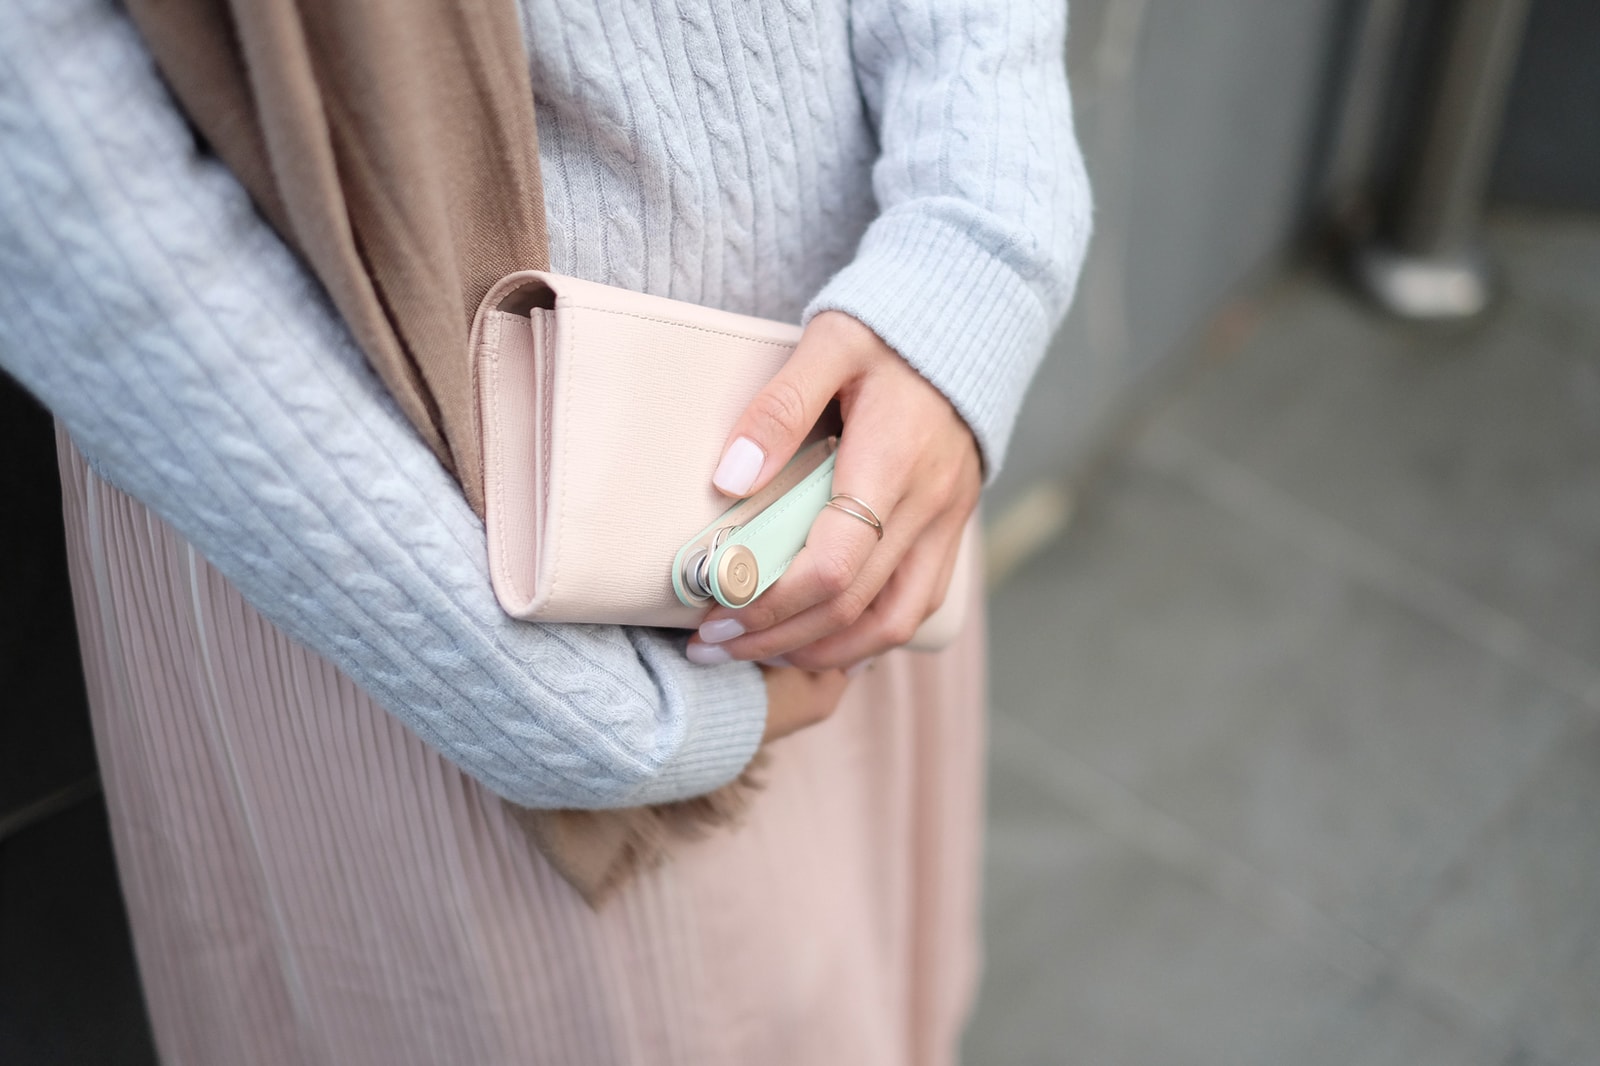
<point>392,144</point>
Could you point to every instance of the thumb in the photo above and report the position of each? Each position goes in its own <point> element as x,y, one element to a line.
<point>777,421</point>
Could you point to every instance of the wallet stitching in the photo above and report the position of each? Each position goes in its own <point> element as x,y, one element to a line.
<point>556,553</point>
<point>771,514</point>
<point>757,525</point>
<point>492,358</point>
<point>493,330</point>
<point>776,489</point>
<point>545,376</point>
<point>678,324</point>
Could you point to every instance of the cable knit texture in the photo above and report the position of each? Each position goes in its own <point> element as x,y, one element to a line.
<point>720,151</point>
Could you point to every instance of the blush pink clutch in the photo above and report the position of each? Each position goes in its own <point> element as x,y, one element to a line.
<point>603,414</point>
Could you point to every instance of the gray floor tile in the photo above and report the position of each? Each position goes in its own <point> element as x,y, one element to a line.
<point>1297,733</point>
<point>1473,451</point>
<point>1385,1024</point>
<point>1100,952</point>
<point>1294,716</point>
<point>1517,936</point>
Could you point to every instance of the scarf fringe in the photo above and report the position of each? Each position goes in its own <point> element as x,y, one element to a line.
<point>599,851</point>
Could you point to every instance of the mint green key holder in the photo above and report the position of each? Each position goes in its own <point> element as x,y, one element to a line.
<point>738,557</point>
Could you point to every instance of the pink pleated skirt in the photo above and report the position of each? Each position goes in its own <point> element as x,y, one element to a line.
<point>307,882</point>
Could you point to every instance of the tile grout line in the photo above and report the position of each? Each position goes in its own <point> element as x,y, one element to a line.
<point>1418,981</point>
<point>1251,497</point>
<point>1117,809</point>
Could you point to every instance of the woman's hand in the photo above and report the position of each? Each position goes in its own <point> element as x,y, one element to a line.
<point>850,595</point>
<point>797,699</point>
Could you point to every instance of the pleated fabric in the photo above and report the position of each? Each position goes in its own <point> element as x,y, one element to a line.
<point>307,882</point>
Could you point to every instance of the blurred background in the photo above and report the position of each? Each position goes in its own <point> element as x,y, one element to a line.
<point>1295,569</point>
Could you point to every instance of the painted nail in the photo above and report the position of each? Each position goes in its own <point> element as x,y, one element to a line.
<point>740,466</point>
<point>708,654</point>
<point>721,629</point>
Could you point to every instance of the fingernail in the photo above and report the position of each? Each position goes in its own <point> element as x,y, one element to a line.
<point>859,668</point>
<point>708,654</point>
<point>740,466</point>
<point>776,660</point>
<point>721,629</point>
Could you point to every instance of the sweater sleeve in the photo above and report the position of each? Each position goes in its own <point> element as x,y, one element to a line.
<point>984,199</point>
<point>201,370</point>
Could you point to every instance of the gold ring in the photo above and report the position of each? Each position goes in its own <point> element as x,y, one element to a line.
<point>870,518</point>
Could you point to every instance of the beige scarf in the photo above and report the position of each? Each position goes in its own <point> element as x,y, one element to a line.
<point>392,143</point>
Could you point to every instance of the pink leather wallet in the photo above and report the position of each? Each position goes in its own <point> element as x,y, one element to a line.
<point>603,414</point>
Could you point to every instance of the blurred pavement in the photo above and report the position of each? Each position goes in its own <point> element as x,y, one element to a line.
<point>1296,740</point>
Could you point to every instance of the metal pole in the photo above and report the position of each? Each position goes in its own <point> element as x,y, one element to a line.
<point>1366,93</point>
<point>1429,263</point>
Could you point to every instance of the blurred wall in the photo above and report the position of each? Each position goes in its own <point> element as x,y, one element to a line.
<point>1199,120</point>
<point>1550,153</point>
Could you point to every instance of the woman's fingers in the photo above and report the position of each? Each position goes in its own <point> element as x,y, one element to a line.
<point>912,594</point>
<point>835,554</point>
<point>905,454</point>
<point>778,420</point>
<point>916,480</point>
<point>847,610</point>
<point>798,699</point>
<point>812,599</point>
<point>831,565</point>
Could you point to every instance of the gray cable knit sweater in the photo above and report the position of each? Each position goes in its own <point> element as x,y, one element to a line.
<point>911,162</point>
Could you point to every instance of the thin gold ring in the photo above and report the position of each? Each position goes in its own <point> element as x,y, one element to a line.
<point>870,518</point>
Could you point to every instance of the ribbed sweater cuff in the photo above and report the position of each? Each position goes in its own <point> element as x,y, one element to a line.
<point>952,308</point>
<point>724,716</point>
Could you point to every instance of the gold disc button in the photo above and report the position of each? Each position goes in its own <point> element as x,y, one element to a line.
<point>737,575</point>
